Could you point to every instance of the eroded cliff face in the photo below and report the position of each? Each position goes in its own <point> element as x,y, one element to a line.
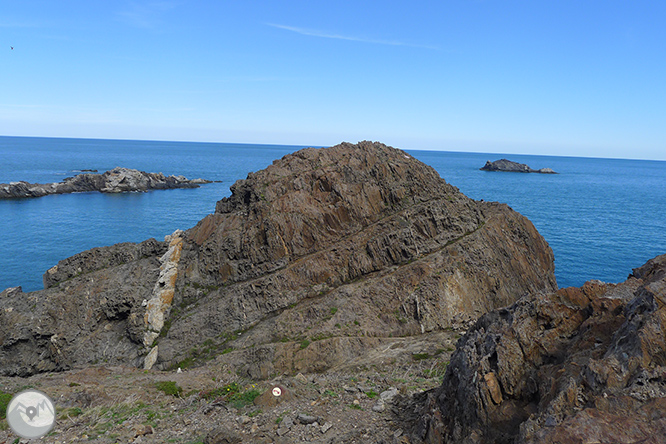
<point>579,365</point>
<point>311,262</point>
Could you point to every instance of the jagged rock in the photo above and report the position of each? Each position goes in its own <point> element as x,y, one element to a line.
<point>388,395</point>
<point>379,406</point>
<point>579,365</point>
<point>101,258</point>
<point>310,263</point>
<point>513,167</point>
<point>117,180</point>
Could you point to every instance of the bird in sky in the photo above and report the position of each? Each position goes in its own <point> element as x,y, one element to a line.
<point>12,47</point>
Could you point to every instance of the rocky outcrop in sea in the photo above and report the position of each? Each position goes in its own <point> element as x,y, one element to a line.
<point>513,167</point>
<point>311,263</point>
<point>577,365</point>
<point>117,180</point>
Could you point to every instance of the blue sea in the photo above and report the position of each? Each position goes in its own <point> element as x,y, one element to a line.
<point>602,217</point>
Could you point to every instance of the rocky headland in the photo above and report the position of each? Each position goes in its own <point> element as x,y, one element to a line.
<point>117,180</point>
<point>313,262</point>
<point>513,167</point>
<point>344,277</point>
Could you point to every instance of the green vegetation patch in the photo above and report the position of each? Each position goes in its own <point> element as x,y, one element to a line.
<point>4,402</point>
<point>437,370</point>
<point>169,388</point>
<point>234,394</point>
<point>72,412</point>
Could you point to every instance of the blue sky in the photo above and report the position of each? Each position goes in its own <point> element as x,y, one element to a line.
<point>558,77</point>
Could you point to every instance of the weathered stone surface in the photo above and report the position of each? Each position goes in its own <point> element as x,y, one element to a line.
<point>223,435</point>
<point>309,264</point>
<point>268,399</point>
<point>93,318</point>
<point>361,236</point>
<point>117,180</point>
<point>101,258</point>
<point>579,365</point>
<point>513,167</point>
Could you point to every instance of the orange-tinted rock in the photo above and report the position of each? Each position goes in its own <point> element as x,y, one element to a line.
<point>578,365</point>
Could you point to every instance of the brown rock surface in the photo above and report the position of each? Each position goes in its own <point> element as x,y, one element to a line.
<point>579,365</point>
<point>319,259</point>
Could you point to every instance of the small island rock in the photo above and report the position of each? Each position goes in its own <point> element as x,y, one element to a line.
<point>117,180</point>
<point>513,167</point>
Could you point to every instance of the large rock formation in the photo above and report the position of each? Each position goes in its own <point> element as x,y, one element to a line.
<point>513,167</point>
<point>117,180</point>
<point>579,365</point>
<point>309,263</point>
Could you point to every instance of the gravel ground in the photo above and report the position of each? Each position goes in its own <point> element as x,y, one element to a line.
<point>211,404</point>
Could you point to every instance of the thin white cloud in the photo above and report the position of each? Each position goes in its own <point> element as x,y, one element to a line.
<point>316,33</point>
<point>146,15</point>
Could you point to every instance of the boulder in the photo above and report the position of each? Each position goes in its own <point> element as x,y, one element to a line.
<point>577,365</point>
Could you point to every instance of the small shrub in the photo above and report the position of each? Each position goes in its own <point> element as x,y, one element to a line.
<point>240,400</point>
<point>330,393</point>
<point>334,310</point>
<point>169,388</point>
<point>372,394</point>
<point>420,356</point>
<point>304,343</point>
<point>74,412</point>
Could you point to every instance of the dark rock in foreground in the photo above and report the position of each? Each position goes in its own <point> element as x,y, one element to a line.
<point>513,167</point>
<point>311,263</point>
<point>117,180</point>
<point>579,365</point>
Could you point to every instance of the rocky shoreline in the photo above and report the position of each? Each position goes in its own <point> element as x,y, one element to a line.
<point>117,180</point>
<point>385,305</point>
<point>513,167</point>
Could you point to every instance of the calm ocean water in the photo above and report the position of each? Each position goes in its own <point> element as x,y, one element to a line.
<point>602,217</point>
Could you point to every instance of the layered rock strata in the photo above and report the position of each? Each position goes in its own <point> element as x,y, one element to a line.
<point>117,180</point>
<point>579,365</point>
<point>513,167</point>
<point>319,258</point>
